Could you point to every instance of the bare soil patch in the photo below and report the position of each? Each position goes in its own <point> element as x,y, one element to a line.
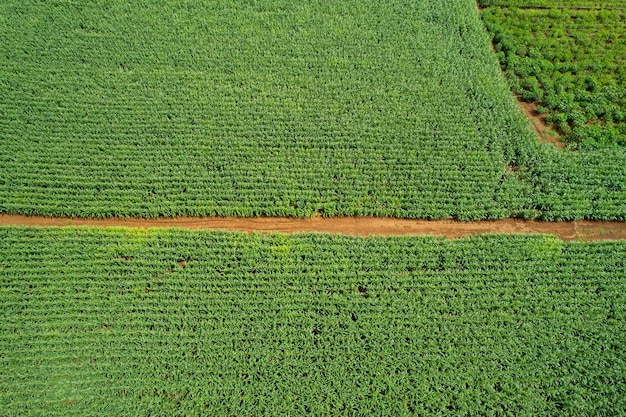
<point>545,133</point>
<point>357,226</point>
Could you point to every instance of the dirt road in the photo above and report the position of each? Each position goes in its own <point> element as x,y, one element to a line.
<point>587,230</point>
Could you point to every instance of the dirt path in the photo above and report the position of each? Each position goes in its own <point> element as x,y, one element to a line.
<point>545,133</point>
<point>587,230</point>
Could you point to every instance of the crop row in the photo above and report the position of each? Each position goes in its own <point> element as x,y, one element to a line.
<point>173,322</point>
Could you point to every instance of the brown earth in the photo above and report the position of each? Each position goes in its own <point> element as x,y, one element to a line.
<point>362,226</point>
<point>545,133</point>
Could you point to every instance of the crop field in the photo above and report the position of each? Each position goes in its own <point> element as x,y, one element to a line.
<point>278,108</point>
<point>573,62</point>
<point>124,121</point>
<point>173,322</point>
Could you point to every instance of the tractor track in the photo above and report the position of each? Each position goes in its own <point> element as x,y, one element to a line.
<point>361,226</point>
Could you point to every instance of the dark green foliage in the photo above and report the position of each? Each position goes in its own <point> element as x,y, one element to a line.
<point>172,322</point>
<point>555,4</point>
<point>573,62</point>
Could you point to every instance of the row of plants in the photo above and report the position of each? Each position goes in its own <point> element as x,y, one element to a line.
<point>556,4</point>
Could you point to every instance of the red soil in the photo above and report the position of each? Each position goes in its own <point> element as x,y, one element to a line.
<point>545,133</point>
<point>362,226</point>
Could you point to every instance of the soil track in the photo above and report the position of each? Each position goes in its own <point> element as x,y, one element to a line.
<point>363,226</point>
<point>545,133</point>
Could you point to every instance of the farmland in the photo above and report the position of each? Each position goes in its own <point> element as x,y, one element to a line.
<point>124,122</point>
<point>275,108</point>
<point>572,62</point>
<point>173,322</point>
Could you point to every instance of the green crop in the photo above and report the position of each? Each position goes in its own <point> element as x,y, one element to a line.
<point>173,322</point>
<point>572,62</point>
<point>279,108</point>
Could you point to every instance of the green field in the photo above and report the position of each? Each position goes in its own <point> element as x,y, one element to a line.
<point>394,108</point>
<point>172,322</point>
<point>280,108</point>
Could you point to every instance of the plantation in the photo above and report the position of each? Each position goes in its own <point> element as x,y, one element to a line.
<point>172,322</point>
<point>307,108</point>
<point>278,108</point>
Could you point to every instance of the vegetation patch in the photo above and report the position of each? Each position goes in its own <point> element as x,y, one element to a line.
<point>570,61</point>
<point>555,4</point>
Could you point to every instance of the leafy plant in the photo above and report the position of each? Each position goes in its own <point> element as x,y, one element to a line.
<point>571,60</point>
